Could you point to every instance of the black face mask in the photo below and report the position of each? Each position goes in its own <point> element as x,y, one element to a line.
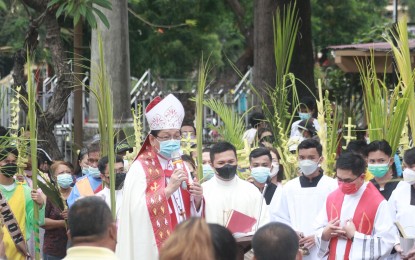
<point>119,180</point>
<point>9,170</point>
<point>227,172</point>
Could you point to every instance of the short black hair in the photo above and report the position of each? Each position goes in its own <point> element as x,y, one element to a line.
<point>275,241</point>
<point>89,216</point>
<point>308,125</point>
<point>379,145</point>
<point>357,146</point>
<point>102,163</point>
<point>256,118</point>
<point>94,147</point>
<point>261,151</point>
<point>194,128</point>
<point>5,152</point>
<point>220,148</point>
<point>224,243</point>
<point>206,150</point>
<point>351,161</point>
<point>308,102</point>
<point>311,143</point>
<point>409,157</point>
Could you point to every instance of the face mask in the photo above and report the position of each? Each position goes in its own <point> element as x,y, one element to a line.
<point>304,116</point>
<point>275,169</point>
<point>9,170</point>
<point>64,180</point>
<point>308,167</point>
<point>409,176</point>
<point>207,172</point>
<point>119,180</point>
<point>378,170</point>
<point>260,174</point>
<point>227,172</point>
<point>85,171</point>
<point>348,188</point>
<point>269,139</point>
<point>94,172</point>
<point>168,147</point>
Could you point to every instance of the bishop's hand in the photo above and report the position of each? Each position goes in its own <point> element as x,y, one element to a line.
<point>196,191</point>
<point>349,229</point>
<point>175,181</point>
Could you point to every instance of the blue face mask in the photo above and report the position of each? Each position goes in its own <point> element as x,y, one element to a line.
<point>304,116</point>
<point>94,172</point>
<point>168,147</point>
<point>85,171</point>
<point>64,180</point>
<point>208,172</point>
<point>260,174</point>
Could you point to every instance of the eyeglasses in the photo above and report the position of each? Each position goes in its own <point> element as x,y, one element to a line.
<point>166,138</point>
<point>347,180</point>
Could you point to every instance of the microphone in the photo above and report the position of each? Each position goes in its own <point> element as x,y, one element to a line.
<point>178,164</point>
<point>260,206</point>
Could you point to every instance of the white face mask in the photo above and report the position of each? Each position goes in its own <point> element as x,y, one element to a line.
<point>275,169</point>
<point>409,176</point>
<point>308,167</point>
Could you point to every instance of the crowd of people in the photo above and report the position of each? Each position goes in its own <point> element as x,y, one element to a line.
<point>163,211</point>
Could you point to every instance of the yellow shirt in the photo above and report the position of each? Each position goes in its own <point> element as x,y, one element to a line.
<point>90,252</point>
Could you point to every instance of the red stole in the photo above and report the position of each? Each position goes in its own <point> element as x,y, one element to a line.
<point>157,206</point>
<point>364,215</point>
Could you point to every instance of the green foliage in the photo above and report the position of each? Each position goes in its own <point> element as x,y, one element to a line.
<point>173,51</point>
<point>233,127</point>
<point>341,22</point>
<point>82,8</point>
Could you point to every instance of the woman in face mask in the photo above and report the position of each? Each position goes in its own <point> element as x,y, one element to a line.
<point>55,239</point>
<point>81,167</point>
<point>381,165</point>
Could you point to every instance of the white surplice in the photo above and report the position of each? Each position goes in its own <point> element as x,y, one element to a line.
<point>223,196</point>
<point>135,232</point>
<point>378,245</point>
<point>298,206</point>
<point>402,210</point>
<point>105,193</point>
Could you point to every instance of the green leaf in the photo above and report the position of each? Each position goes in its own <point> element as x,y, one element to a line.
<point>102,17</point>
<point>2,5</point>
<point>103,3</point>
<point>76,17</point>
<point>60,10</point>
<point>53,2</point>
<point>82,10</point>
<point>91,19</point>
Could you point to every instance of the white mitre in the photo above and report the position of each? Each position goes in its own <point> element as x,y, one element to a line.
<point>167,113</point>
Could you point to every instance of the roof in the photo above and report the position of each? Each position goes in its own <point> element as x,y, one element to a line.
<point>377,46</point>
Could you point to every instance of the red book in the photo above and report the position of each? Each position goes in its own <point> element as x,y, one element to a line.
<point>239,222</point>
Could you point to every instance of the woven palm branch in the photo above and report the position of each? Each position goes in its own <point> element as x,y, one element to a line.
<point>386,111</point>
<point>51,190</point>
<point>400,49</point>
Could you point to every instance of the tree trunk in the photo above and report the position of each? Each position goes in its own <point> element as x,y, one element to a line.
<point>302,64</point>
<point>57,107</point>
<point>264,60</point>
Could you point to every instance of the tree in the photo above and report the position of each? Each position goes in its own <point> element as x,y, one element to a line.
<point>48,13</point>
<point>264,61</point>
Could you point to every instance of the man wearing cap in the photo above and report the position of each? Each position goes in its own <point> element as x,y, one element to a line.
<point>155,200</point>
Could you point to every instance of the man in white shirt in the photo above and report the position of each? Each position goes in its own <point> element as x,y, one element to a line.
<point>356,222</point>
<point>302,197</point>
<point>226,191</point>
<point>120,174</point>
